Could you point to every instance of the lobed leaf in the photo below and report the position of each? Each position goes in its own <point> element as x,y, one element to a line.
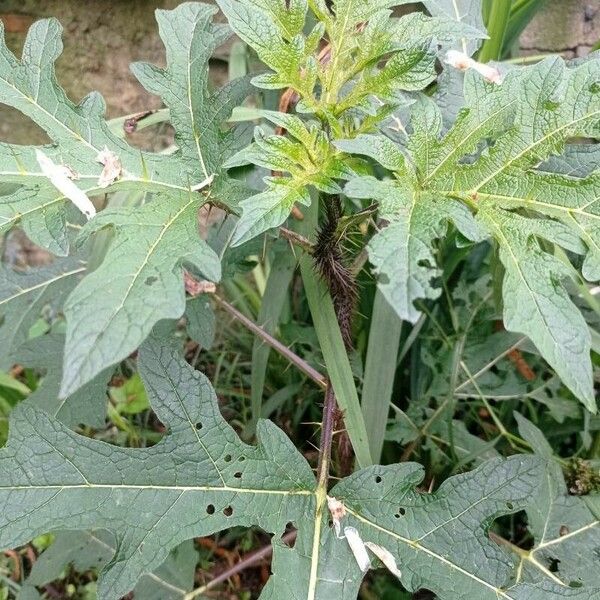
<point>487,163</point>
<point>201,478</point>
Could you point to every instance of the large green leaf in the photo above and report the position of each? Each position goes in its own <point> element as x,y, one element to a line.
<point>201,478</point>
<point>487,164</point>
<point>402,252</point>
<point>140,282</point>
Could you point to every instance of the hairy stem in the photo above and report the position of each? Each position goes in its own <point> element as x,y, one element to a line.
<point>325,445</point>
<point>298,362</point>
<point>296,238</point>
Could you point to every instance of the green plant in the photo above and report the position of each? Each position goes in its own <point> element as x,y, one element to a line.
<point>469,204</point>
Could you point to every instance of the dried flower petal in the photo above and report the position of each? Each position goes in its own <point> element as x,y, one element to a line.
<point>386,557</point>
<point>463,62</point>
<point>338,512</point>
<point>112,167</point>
<point>61,178</point>
<point>358,548</point>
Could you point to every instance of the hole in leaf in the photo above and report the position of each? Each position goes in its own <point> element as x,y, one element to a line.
<point>228,511</point>
<point>198,426</point>
<point>397,515</point>
<point>238,475</point>
<point>402,510</point>
<point>289,535</point>
<point>510,505</point>
<point>378,479</point>
<point>210,509</point>
<point>513,528</point>
<point>553,565</point>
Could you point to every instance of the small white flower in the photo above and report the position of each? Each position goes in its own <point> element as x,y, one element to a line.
<point>61,178</point>
<point>463,62</point>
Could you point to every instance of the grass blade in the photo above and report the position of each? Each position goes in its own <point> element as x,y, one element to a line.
<point>521,14</point>
<point>380,369</point>
<point>330,339</point>
<point>499,13</point>
<point>273,301</point>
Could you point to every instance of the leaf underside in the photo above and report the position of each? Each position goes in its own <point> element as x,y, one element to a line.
<point>201,479</point>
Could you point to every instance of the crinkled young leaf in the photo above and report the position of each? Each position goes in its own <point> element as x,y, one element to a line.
<point>139,283</point>
<point>201,478</point>
<point>274,30</point>
<point>307,156</point>
<point>24,295</point>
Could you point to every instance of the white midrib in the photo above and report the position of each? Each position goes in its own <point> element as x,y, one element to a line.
<point>321,501</point>
<point>42,284</point>
<point>532,202</point>
<point>178,488</point>
<point>530,147</point>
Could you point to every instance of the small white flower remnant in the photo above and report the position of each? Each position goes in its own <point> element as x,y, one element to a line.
<point>112,167</point>
<point>385,556</point>
<point>463,62</point>
<point>358,548</point>
<point>356,543</point>
<point>61,178</point>
<point>338,512</point>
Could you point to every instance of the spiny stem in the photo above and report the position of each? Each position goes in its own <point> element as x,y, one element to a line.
<point>326,436</point>
<point>301,364</point>
<point>322,480</point>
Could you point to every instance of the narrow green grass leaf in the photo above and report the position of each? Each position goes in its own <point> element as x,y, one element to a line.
<point>338,366</point>
<point>496,26</point>
<point>380,368</point>
<point>272,304</point>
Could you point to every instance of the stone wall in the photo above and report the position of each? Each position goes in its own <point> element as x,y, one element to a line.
<point>570,27</point>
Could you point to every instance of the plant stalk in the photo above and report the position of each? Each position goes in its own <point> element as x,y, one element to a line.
<point>248,561</point>
<point>298,362</point>
<point>326,442</point>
